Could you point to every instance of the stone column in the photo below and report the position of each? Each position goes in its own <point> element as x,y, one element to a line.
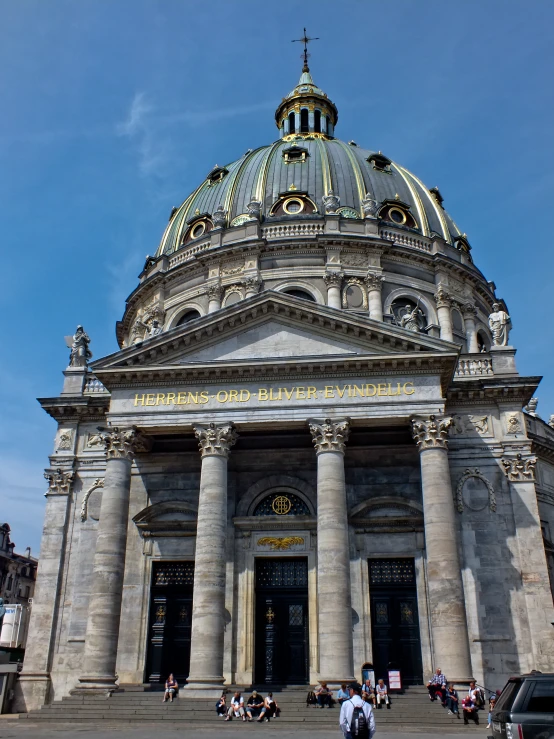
<point>33,687</point>
<point>374,282</point>
<point>286,129</point>
<point>333,553</point>
<point>102,635</point>
<point>444,576</point>
<point>215,293</point>
<point>470,312</point>
<point>333,280</point>
<point>296,121</point>
<point>444,303</point>
<point>208,609</point>
<point>520,471</point>
<point>311,121</point>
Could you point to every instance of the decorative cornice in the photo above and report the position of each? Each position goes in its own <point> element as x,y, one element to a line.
<point>125,443</point>
<point>216,441</point>
<point>431,433</point>
<point>329,435</point>
<point>59,481</point>
<point>374,281</point>
<point>519,468</point>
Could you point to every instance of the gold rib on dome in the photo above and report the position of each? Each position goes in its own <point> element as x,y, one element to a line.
<point>325,168</point>
<point>424,223</point>
<point>436,207</point>
<point>356,168</point>
<point>230,194</point>
<point>261,180</point>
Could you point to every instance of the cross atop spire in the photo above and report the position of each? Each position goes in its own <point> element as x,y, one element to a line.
<point>305,40</point>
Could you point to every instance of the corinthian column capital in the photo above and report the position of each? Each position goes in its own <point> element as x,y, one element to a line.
<point>59,481</point>
<point>431,432</point>
<point>519,468</point>
<point>442,297</point>
<point>214,292</point>
<point>125,443</point>
<point>374,281</point>
<point>333,279</point>
<point>216,440</point>
<point>329,435</point>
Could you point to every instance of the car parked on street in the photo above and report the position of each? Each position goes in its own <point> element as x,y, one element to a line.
<point>525,709</point>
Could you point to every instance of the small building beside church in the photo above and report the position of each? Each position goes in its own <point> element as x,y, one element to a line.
<point>310,452</point>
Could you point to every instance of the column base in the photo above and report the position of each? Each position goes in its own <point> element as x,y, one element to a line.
<point>210,687</point>
<point>99,684</point>
<point>32,691</point>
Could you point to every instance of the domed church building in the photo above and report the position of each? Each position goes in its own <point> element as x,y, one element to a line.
<point>312,453</point>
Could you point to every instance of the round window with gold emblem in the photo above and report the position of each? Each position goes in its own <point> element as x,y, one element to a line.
<point>198,230</point>
<point>397,215</point>
<point>281,505</point>
<point>292,206</point>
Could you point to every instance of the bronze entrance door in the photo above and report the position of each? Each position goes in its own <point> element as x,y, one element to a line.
<point>170,621</point>
<point>394,619</point>
<point>281,643</point>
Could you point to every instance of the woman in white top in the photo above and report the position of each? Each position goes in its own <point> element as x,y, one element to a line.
<point>382,694</point>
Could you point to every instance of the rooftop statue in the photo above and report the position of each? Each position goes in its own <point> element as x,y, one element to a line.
<point>500,325</point>
<point>80,353</point>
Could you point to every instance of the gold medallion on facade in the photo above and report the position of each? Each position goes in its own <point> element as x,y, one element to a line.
<point>281,505</point>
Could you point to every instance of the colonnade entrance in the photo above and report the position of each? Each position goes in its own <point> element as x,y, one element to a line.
<point>281,644</point>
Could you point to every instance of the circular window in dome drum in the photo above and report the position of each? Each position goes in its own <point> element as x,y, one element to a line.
<point>293,206</point>
<point>282,504</point>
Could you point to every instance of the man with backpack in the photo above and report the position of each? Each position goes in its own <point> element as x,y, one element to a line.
<point>356,716</point>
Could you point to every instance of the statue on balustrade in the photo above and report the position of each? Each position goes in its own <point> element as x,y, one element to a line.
<point>500,325</point>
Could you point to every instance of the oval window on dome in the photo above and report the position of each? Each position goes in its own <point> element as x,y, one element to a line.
<point>397,215</point>
<point>293,206</point>
<point>198,230</point>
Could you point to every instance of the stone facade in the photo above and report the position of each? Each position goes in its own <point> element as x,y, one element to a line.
<point>342,365</point>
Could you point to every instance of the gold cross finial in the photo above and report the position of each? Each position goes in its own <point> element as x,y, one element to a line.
<point>305,40</point>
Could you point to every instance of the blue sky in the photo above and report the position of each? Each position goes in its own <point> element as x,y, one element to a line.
<point>114,110</point>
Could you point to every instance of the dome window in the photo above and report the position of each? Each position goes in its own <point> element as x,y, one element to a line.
<point>200,226</point>
<point>397,212</point>
<point>317,121</point>
<point>380,162</point>
<point>298,204</point>
<point>304,121</point>
<point>297,293</point>
<point>189,315</point>
<point>293,206</point>
<point>295,154</point>
<point>216,175</point>
<point>354,295</point>
<point>462,244</point>
<point>292,124</point>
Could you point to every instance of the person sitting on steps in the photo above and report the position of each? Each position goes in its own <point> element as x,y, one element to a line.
<point>368,693</point>
<point>221,705</point>
<point>437,685</point>
<point>470,710</point>
<point>324,696</point>
<point>452,700</point>
<point>255,706</point>
<point>382,693</point>
<point>171,689</point>
<point>236,708</point>
<point>342,695</point>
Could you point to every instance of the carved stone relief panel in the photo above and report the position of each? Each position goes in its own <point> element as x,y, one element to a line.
<point>65,440</point>
<point>232,267</point>
<point>513,424</point>
<point>354,259</point>
<point>471,424</point>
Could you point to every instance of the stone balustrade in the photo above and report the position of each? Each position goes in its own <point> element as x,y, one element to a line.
<point>474,365</point>
<point>94,386</point>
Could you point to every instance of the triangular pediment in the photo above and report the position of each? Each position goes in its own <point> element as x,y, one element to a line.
<point>270,327</point>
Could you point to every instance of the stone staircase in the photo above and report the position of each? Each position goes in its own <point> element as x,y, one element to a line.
<point>410,711</point>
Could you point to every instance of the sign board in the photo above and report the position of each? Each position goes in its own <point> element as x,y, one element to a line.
<point>395,681</point>
<point>14,626</point>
